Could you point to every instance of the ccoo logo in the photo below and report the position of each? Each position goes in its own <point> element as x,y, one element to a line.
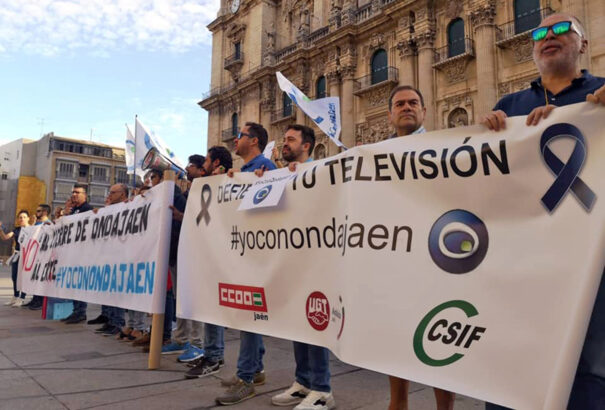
<point>458,241</point>
<point>318,311</point>
<point>261,194</point>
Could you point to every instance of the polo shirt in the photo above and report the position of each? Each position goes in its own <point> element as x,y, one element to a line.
<point>523,102</point>
<point>257,162</point>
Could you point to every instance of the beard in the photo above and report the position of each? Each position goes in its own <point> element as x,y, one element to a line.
<point>290,155</point>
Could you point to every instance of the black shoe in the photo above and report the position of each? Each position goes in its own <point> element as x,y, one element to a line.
<point>73,319</point>
<point>204,368</point>
<point>35,306</point>
<point>99,320</point>
<point>65,319</point>
<point>103,328</point>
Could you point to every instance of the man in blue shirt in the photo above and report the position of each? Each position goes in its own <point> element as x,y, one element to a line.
<point>561,82</point>
<point>249,145</point>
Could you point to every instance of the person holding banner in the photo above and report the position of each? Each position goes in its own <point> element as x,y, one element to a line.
<point>77,203</point>
<point>42,213</point>
<point>406,114</point>
<point>249,145</point>
<point>559,42</point>
<point>22,221</point>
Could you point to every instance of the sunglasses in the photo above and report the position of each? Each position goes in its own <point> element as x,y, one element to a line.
<point>559,28</point>
<point>243,134</point>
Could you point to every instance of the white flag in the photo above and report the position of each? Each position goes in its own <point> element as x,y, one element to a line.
<point>145,141</point>
<point>324,112</point>
<point>130,154</point>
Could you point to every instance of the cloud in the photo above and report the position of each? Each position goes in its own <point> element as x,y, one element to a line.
<point>54,27</point>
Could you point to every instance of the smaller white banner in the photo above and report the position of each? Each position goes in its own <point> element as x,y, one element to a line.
<point>267,191</point>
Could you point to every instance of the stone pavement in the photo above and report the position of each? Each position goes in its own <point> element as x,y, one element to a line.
<point>49,365</point>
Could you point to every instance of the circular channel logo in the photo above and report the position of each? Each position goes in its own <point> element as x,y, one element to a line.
<point>458,241</point>
<point>318,311</point>
<point>261,194</point>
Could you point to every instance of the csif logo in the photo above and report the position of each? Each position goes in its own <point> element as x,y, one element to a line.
<point>261,194</point>
<point>446,331</point>
<point>318,311</point>
<point>458,241</point>
<point>242,297</point>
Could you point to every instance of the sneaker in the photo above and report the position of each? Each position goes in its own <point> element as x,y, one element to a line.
<point>19,302</point>
<point>102,328</point>
<point>190,354</point>
<point>175,347</point>
<point>194,363</point>
<point>73,319</point>
<point>237,393</point>
<point>258,380</point>
<point>203,368</point>
<point>294,395</point>
<point>12,301</point>
<point>99,320</point>
<point>37,306</point>
<point>317,400</point>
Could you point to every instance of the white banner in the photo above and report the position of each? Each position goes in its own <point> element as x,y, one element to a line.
<point>464,259</point>
<point>116,257</point>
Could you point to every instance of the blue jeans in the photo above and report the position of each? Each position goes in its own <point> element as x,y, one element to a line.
<point>14,273</point>
<point>79,308</point>
<point>168,315</point>
<point>312,366</point>
<point>214,342</point>
<point>250,360</point>
<point>115,316</point>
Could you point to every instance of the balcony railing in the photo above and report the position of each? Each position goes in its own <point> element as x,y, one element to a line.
<point>66,175</point>
<point>461,48</point>
<point>280,54</point>
<point>229,134</point>
<point>521,25</point>
<point>363,13</point>
<point>100,179</point>
<point>386,75</point>
<point>317,34</point>
<point>234,59</point>
<point>95,199</point>
<point>282,114</point>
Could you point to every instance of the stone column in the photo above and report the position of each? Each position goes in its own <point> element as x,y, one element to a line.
<point>407,75</point>
<point>347,107</point>
<point>426,85</point>
<point>482,20</point>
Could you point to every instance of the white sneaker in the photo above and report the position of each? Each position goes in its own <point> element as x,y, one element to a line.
<point>294,395</point>
<point>11,302</point>
<point>317,400</point>
<point>20,302</point>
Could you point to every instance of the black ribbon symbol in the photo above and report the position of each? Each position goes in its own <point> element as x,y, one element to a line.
<point>566,173</point>
<point>206,197</point>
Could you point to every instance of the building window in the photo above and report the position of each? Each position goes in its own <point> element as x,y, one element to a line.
<point>320,87</point>
<point>286,104</point>
<point>83,171</point>
<point>455,38</point>
<point>234,126</point>
<point>238,50</point>
<point>527,15</point>
<point>379,66</point>
<point>122,176</point>
<point>4,176</point>
<point>65,170</point>
<point>99,174</point>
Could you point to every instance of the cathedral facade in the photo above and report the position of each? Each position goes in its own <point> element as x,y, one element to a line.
<point>463,55</point>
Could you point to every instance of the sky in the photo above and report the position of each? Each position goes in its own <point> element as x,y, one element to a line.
<point>87,67</point>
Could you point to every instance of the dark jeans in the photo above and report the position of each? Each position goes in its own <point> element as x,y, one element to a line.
<point>312,366</point>
<point>250,360</point>
<point>14,272</point>
<point>79,308</point>
<point>168,315</point>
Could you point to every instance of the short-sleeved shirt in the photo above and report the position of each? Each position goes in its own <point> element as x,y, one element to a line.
<point>257,162</point>
<point>85,207</point>
<point>523,102</point>
<point>16,233</point>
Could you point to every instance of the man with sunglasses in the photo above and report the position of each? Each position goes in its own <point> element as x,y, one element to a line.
<point>558,43</point>
<point>249,145</point>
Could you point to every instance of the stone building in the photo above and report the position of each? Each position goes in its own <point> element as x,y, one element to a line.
<point>463,55</point>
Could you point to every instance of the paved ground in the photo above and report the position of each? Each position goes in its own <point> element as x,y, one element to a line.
<point>49,365</point>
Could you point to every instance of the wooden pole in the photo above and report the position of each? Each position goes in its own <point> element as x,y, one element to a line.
<point>157,323</point>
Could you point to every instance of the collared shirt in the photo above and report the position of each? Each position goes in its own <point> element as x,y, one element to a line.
<point>419,130</point>
<point>523,102</point>
<point>85,207</point>
<point>257,162</point>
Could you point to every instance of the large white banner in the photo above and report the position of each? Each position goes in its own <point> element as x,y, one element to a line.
<point>117,256</point>
<point>464,258</point>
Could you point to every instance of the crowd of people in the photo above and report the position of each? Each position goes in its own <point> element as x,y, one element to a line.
<point>559,42</point>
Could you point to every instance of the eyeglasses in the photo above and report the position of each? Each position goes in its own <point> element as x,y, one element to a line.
<point>243,134</point>
<point>559,28</point>
<point>38,211</point>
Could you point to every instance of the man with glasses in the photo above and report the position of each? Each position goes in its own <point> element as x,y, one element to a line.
<point>249,145</point>
<point>78,203</point>
<point>559,42</point>
<point>42,212</point>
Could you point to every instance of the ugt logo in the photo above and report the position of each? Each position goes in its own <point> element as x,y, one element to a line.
<point>447,330</point>
<point>318,311</point>
<point>458,241</point>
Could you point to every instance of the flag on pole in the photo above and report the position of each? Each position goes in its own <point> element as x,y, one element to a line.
<point>130,153</point>
<point>145,141</point>
<point>324,112</point>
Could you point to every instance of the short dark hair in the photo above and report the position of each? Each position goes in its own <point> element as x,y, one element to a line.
<point>222,154</point>
<point>259,132</point>
<point>45,208</point>
<point>23,211</point>
<point>197,160</point>
<point>307,133</point>
<point>402,88</point>
<point>80,186</point>
<point>124,188</point>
